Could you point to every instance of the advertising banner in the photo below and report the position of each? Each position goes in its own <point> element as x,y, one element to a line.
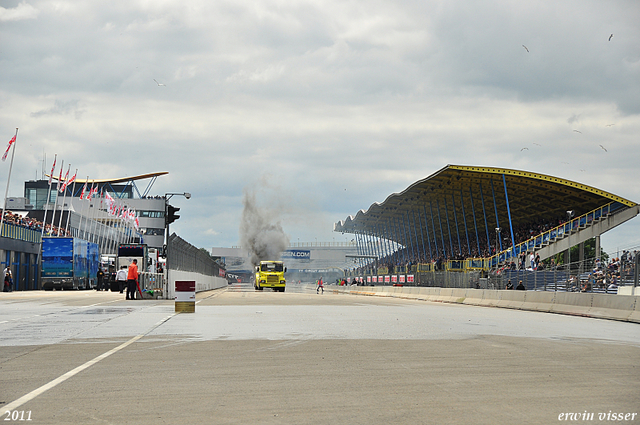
<point>296,254</point>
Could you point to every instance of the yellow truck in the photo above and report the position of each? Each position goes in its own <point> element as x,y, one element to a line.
<point>270,274</point>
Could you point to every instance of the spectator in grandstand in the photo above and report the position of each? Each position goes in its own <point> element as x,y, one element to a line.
<point>532,261</point>
<point>523,260</point>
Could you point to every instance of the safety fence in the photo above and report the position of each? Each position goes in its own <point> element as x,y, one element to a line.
<point>581,276</point>
<point>12,231</point>
<point>183,256</point>
<point>152,282</point>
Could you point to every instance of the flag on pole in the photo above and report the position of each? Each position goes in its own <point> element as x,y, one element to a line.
<point>68,182</point>
<point>11,142</point>
<point>53,168</point>
<point>109,200</point>
<point>66,176</point>
<point>92,191</point>
<point>83,190</point>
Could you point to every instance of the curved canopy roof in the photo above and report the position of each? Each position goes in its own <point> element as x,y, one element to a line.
<point>458,198</point>
<point>119,179</point>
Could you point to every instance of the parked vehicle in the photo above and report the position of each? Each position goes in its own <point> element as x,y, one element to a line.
<point>69,263</point>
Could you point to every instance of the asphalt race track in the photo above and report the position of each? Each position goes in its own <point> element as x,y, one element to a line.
<point>247,357</point>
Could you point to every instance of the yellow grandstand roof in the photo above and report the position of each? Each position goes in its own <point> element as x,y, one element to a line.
<point>462,196</point>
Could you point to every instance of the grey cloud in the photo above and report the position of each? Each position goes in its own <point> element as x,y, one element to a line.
<point>21,12</point>
<point>61,108</point>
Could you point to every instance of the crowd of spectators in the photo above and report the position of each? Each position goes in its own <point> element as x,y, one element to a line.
<point>410,255</point>
<point>33,224</point>
<point>609,276</point>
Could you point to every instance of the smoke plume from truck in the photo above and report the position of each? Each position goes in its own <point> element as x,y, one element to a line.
<point>260,231</point>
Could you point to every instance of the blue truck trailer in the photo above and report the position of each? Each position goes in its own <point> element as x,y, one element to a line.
<point>69,263</point>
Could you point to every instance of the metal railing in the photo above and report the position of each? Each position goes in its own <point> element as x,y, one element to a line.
<point>185,257</point>
<point>580,276</point>
<point>152,282</point>
<point>554,234</point>
<point>13,231</point>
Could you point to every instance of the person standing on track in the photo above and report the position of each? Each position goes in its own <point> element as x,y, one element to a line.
<point>121,277</point>
<point>132,278</point>
<point>320,286</point>
<point>100,277</point>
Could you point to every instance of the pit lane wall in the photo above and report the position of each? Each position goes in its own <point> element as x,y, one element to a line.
<point>601,306</point>
<point>203,282</point>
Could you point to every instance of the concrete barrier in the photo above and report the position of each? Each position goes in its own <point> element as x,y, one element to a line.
<point>428,294</point>
<point>603,306</point>
<point>411,292</point>
<point>539,301</point>
<point>445,295</point>
<point>203,282</point>
<point>511,299</point>
<point>575,303</point>
<point>618,307</point>
<point>635,314</point>
<point>490,298</point>
<point>458,295</point>
<point>474,296</point>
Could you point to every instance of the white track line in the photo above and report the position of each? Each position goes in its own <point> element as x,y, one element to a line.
<point>35,393</point>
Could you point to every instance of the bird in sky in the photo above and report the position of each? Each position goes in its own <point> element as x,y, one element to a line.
<point>523,149</point>
<point>537,144</point>
<point>525,48</point>
<point>610,37</point>
<point>603,148</point>
<point>159,84</point>
<point>578,131</point>
<point>609,125</point>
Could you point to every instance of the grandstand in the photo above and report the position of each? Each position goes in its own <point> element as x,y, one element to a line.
<point>465,218</point>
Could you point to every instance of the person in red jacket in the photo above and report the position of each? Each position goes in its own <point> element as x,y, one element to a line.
<point>132,278</point>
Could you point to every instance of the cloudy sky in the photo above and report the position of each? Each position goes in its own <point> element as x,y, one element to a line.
<point>322,107</point>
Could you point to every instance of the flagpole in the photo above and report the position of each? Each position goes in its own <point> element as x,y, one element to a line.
<point>64,198</point>
<point>73,189</point>
<point>101,231</point>
<point>94,223</point>
<point>55,204</point>
<point>46,205</point>
<point>8,180</point>
<point>83,233</point>
<point>90,215</point>
<point>87,223</point>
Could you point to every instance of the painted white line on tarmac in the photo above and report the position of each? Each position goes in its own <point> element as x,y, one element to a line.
<point>35,393</point>
<point>57,312</point>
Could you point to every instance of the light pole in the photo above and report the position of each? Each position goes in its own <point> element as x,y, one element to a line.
<point>168,220</point>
